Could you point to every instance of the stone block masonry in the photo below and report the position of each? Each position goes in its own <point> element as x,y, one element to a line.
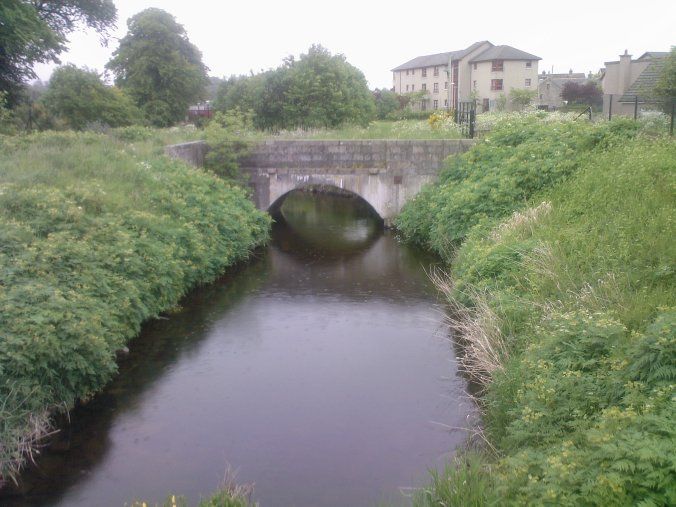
<point>385,173</point>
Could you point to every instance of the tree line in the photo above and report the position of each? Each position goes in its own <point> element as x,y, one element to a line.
<point>158,73</point>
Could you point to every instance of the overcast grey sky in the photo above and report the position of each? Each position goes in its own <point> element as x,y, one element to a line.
<point>375,36</point>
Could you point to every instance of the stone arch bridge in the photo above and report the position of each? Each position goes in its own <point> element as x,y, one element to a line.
<point>385,173</point>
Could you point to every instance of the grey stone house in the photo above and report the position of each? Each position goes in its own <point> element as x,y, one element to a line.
<point>551,85</point>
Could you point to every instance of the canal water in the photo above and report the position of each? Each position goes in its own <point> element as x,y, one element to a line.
<point>321,371</point>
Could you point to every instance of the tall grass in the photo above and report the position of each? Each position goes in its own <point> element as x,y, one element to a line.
<point>580,290</point>
<point>97,235</point>
<point>523,155</point>
<point>399,129</point>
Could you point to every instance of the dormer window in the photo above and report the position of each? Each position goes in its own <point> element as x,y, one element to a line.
<point>497,66</point>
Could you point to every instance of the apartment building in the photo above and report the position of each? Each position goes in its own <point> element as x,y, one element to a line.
<point>482,72</point>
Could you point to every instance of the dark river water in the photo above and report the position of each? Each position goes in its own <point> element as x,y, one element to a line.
<point>320,371</point>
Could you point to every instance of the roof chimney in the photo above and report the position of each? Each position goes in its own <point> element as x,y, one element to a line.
<point>625,73</point>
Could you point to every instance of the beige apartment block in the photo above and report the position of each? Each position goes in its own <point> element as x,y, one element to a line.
<point>625,80</point>
<point>481,72</point>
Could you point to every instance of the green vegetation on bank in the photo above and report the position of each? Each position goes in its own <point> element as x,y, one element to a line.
<point>97,235</point>
<point>523,154</point>
<point>563,294</point>
<point>379,129</point>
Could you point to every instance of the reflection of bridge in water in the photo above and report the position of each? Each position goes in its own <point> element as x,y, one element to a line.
<point>385,173</point>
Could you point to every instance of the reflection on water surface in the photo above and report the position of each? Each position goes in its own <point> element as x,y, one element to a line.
<point>317,370</point>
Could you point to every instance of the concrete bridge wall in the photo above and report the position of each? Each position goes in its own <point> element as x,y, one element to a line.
<point>385,173</point>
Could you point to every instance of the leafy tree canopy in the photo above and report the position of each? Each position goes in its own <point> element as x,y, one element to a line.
<point>665,88</point>
<point>35,31</point>
<point>520,98</point>
<point>326,91</point>
<point>317,90</point>
<point>79,98</point>
<point>588,93</point>
<point>159,67</point>
<point>387,102</point>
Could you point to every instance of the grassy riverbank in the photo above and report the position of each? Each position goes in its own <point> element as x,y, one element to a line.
<point>97,235</point>
<point>381,129</point>
<point>567,311</point>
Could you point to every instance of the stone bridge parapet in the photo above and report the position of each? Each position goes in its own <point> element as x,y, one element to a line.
<point>385,173</point>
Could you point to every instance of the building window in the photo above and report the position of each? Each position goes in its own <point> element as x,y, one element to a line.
<point>445,102</point>
<point>406,87</point>
<point>413,72</point>
<point>496,84</point>
<point>527,82</point>
<point>446,85</point>
<point>436,104</point>
<point>486,105</point>
<point>547,86</point>
<point>407,73</point>
<point>475,66</point>
<point>474,84</point>
<point>497,66</point>
<point>436,71</point>
<point>424,72</point>
<point>412,88</point>
<point>424,86</point>
<point>529,65</point>
<point>436,87</point>
<point>423,105</point>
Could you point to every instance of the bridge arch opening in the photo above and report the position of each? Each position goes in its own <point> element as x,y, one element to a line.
<point>361,205</point>
<point>324,220</point>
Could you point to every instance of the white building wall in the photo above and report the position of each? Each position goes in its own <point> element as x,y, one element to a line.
<point>514,76</point>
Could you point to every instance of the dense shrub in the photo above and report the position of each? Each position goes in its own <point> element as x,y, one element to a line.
<point>79,99</point>
<point>582,291</point>
<point>93,241</point>
<point>519,158</point>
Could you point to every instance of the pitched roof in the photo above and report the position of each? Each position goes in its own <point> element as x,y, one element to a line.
<point>439,58</point>
<point>504,53</point>
<point>566,75</point>
<point>645,82</point>
<point>653,54</point>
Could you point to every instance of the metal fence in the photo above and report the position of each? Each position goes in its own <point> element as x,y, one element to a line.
<point>465,117</point>
<point>635,106</point>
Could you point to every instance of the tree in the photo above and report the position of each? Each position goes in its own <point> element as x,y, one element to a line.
<point>521,98</point>
<point>159,67</point>
<point>318,90</point>
<point>79,98</point>
<point>240,92</point>
<point>589,93</point>
<point>665,87</point>
<point>35,31</point>
<point>387,102</point>
<point>326,91</point>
